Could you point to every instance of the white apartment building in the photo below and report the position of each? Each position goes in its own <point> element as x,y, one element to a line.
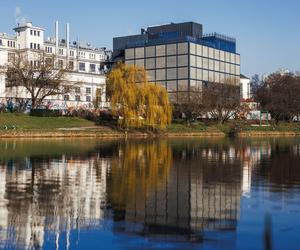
<point>85,65</point>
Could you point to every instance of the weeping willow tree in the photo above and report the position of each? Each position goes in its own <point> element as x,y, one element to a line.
<point>157,107</point>
<point>136,101</point>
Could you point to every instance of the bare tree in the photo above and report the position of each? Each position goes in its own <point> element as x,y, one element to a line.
<point>279,94</point>
<point>222,100</point>
<point>37,75</point>
<point>189,104</point>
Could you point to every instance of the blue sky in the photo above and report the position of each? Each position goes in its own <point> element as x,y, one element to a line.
<point>267,31</point>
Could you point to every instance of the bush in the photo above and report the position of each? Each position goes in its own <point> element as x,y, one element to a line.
<point>45,113</point>
<point>91,115</point>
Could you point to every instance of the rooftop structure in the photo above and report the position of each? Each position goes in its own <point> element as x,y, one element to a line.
<point>169,33</point>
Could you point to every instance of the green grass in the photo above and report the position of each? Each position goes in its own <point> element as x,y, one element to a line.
<point>280,127</point>
<point>232,126</point>
<point>22,122</point>
<point>27,122</point>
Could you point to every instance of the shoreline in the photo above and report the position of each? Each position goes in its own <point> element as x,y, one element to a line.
<point>136,134</point>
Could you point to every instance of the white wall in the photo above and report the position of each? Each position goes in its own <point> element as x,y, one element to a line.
<point>245,88</point>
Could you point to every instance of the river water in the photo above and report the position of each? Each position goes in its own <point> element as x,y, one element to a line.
<point>150,194</point>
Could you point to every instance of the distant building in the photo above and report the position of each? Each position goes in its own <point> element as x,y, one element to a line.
<point>85,64</point>
<point>245,89</point>
<point>180,57</point>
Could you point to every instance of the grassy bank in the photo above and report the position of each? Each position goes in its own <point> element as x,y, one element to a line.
<point>20,125</point>
<point>9,121</point>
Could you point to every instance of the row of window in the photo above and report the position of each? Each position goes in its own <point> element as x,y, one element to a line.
<point>11,44</point>
<point>181,48</point>
<point>81,54</point>
<point>182,61</point>
<point>88,90</point>
<point>179,60</point>
<point>182,65</point>
<point>48,49</point>
<point>35,46</point>
<point>34,64</point>
<point>183,85</point>
<point>78,98</point>
<point>183,73</point>
<point>35,32</point>
<point>81,65</point>
<point>49,62</point>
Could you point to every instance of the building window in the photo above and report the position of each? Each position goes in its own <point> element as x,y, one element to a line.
<point>38,33</point>
<point>88,98</point>
<point>31,32</point>
<point>11,57</point>
<point>38,46</point>
<point>48,49</point>
<point>61,52</point>
<point>92,67</point>
<point>183,60</point>
<point>88,90</point>
<point>199,62</point>
<point>71,65</point>
<point>82,66</point>
<point>92,56</point>
<point>129,54</point>
<point>66,97</point>
<point>11,44</point>
<point>171,49</point>
<point>60,64</point>
<point>82,54</point>
<point>71,52</point>
<point>77,90</point>
<point>31,45</point>
<point>48,62</point>
<point>77,98</point>
<point>1,42</point>
<point>36,64</point>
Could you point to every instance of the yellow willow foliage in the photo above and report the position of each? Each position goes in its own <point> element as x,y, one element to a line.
<point>137,101</point>
<point>139,170</point>
<point>158,112</point>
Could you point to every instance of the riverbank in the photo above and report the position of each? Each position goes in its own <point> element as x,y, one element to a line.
<point>25,126</point>
<point>99,133</point>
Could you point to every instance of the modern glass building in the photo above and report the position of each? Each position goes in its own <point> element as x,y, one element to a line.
<point>180,58</point>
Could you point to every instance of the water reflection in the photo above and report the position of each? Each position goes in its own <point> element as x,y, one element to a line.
<point>167,190</point>
<point>56,192</point>
<point>165,193</point>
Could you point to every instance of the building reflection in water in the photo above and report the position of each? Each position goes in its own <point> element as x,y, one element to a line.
<point>166,189</point>
<point>40,194</point>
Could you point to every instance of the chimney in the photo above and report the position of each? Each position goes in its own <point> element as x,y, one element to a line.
<point>56,40</point>
<point>68,41</point>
